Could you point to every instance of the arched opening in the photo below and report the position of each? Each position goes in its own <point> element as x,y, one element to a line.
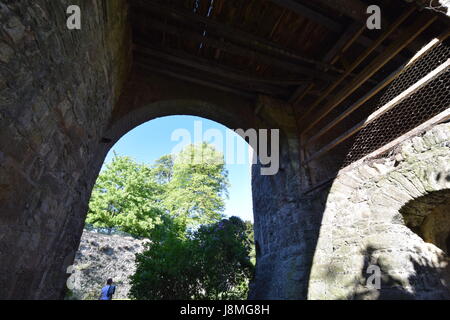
<point>109,252</point>
<point>429,217</point>
<point>67,98</point>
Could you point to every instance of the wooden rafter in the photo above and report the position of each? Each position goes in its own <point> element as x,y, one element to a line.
<point>353,66</point>
<point>349,37</point>
<point>413,31</point>
<point>352,33</point>
<point>237,35</point>
<point>149,67</point>
<point>354,9</point>
<point>241,51</point>
<point>300,93</point>
<point>256,84</point>
<point>379,87</point>
<point>310,14</point>
<point>387,107</point>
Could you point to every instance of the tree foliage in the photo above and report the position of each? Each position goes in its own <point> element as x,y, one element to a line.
<point>133,197</point>
<point>198,186</point>
<point>126,197</point>
<point>178,203</point>
<point>213,262</point>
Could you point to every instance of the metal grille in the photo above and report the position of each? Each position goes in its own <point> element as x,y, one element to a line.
<point>421,106</point>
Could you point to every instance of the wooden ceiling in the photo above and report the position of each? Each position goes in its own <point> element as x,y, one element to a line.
<point>291,50</point>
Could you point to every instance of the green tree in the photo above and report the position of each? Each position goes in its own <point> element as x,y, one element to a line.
<point>213,262</point>
<point>126,197</point>
<point>197,186</point>
<point>190,187</point>
<point>166,270</point>
<point>162,170</point>
<point>225,254</point>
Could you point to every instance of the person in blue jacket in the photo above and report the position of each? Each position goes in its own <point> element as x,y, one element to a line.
<point>108,290</point>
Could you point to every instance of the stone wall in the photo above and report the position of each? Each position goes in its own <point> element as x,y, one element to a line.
<point>67,96</point>
<point>100,257</point>
<point>57,91</point>
<point>370,216</point>
<point>286,226</point>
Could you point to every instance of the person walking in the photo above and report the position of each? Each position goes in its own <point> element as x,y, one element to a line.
<point>108,290</point>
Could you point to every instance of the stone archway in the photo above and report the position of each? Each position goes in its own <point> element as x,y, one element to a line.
<point>67,96</point>
<point>45,202</point>
<point>429,217</point>
<point>372,217</point>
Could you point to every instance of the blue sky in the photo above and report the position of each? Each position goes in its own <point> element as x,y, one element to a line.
<point>154,139</point>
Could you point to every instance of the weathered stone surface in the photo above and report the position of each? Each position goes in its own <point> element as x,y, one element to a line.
<point>402,207</point>
<point>100,257</point>
<point>58,99</point>
<point>66,96</point>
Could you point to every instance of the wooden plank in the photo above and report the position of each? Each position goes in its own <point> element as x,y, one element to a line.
<point>310,14</point>
<point>388,106</point>
<point>195,79</point>
<point>241,51</point>
<point>247,39</point>
<point>300,93</point>
<point>237,79</point>
<point>354,9</point>
<point>344,42</point>
<point>206,65</point>
<point>352,33</point>
<point>433,43</point>
<point>356,63</point>
<point>413,31</point>
<point>357,10</point>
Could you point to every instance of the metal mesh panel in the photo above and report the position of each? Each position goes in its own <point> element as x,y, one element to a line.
<point>425,103</point>
<point>416,71</point>
<point>421,106</point>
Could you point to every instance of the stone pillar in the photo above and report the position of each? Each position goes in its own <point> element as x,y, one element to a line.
<point>286,225</point>
<point>57,91</point>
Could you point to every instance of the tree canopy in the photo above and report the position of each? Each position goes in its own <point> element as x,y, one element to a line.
<point>198,186</point>
<point>212,263</point>
<point>126,197</point>
<point>178,203</point>
<point>133,197</point>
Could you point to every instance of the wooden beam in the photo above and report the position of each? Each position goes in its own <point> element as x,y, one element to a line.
<point>350,35</point>
<point>240,51</point>
<point>194,79</point>
<point>354,9</point>
<point>357,10</point>
<point>387,107</point>
<point>300,93</point>
<point>413,31</point>
<point>309,13</point>
<point>196,62</point>
<point>247,39</point>
<point>432,44</point>
<point>358,61</point>
<point>192,62</point>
